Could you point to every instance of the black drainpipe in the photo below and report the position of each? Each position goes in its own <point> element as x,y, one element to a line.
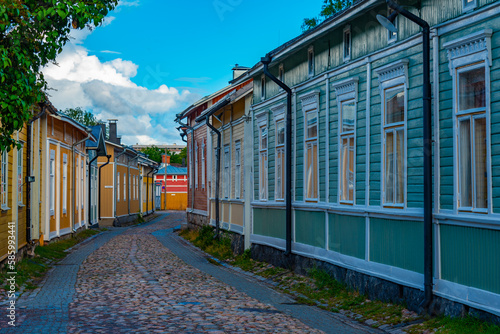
<point>288,148</point>
<point>187,127</point>
<point>217,177</point>
<point>428,237</point>
<point>90,188</point>
<point>109,157</point>
<point>28,177</point>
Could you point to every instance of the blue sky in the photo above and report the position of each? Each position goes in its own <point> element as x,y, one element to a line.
<point>152,59</point>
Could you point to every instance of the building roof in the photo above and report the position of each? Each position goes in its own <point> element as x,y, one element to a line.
<point>99,143</point>
<point>171,170</point>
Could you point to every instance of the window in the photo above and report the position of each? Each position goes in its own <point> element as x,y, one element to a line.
<point>5,179</point>
<point>65,183</point>
<point>124,186</point>
<point>20,176</point>
<point>82,188</point>
<point>202,166</point>
<point>280,160</point>
<point>468,5</point>
<point>470,59</point>
<point>263,87</point>
<point>174,177</point>
<point>347,43</point>
<point>263,162</point>
<point>191,169</point>
<point>394,148</point>
<point>118,187</point>
<point>310,61</point>
<point>52,182</point>
<point>237,170</point>
<point>196,165</point>
<point>347,158</point>
<point>227,172</point>
<point>393,36</point>
<point>310,108</point>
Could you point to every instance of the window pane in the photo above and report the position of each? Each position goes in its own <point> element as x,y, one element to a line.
<point>348,112</point>
<point>480,163</point>
<point>309,172</point>
<point>347,44</point>
<point>312,124</point>
<point>464,167</point>
<point>389,168</point>
<point>263,138</point>
<point>280,132</point>
<point>472,89</point>
<point>395,105</point>
<point>399,177</point>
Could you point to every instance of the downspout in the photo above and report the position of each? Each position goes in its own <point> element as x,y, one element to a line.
<point>217,176</point>
<point>90,187</point>
<point>28,178</point>
<point>109,157</point>
<point>288,148</point>
<point>73,179</point>
<point>428,237</point>
<point>182,125</point>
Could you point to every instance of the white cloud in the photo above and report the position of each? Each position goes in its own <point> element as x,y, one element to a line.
<point>144,115</point>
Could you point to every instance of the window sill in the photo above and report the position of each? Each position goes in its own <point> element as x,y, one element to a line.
<point>471,210</point>
<point>4,208</point>
<point>394,206</point>
<point>20,205</point>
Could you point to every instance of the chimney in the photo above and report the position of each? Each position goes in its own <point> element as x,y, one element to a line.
<point>113,133</point>
<point>165,160</point>
<point>239,71</point>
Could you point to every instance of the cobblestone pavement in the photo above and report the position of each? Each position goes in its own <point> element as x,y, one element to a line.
<point>146,280</point>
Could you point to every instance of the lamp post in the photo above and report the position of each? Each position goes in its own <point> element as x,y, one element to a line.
<point>387,22</point>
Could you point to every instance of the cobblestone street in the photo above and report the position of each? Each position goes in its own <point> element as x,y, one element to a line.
<point>147,280</point>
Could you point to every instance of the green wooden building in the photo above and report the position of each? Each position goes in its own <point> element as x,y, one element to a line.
<point>357,176</point>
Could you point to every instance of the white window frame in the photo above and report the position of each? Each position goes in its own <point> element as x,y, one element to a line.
<point>347,42</point>
<point>202,165</point>
<point>118,186</point>
<point>310,105</point>
<point>310,61</point>
<point>227,171</point>
<point>20,182</point>
<point>467,53</point>
<point>65,183</point>
<point>124,186</point>
<point>196,165</point>
<point>262,125</point>
<point>52,182</point>
<point>279,148</point>
<point>237,170</point>
<point>392,77</point>
<point>82,188</point>
<point>346,92</point>
<point>191,162</point>
<point>467,5</point>
<point>5,180</point>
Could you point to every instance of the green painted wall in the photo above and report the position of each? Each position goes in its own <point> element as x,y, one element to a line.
<point>397,243</point>
<point>310,228</point>
<point>471,256</point>
<point>269,223</point>
<point>347,235</point>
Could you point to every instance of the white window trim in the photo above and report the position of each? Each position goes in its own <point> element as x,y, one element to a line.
<point>237,166</point>
<point>227,171</point>
<point>279,116</point>
<point>346,90</point>
<point>118,187</point>
<point>124,186</point>
<point>471,51</point>
<point>82,188</point>
<point>196,165</point>
<point>348,30</point>
<point>310,55</point>
<point>467,7</point>
<point>392,76</point>
<point>5,180</point>
<point>65,183</point>
<point>262,121</point>
<point>310,104</point>
<point>52,184</point>
<point>203,161</point>
<point>20,169</point>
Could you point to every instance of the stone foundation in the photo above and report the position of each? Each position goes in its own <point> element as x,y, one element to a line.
<point>195,221</point>
<point>372,287</point>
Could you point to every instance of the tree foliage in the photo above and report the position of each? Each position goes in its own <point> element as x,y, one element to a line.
<point>32,34</point>
<point>154,153</point>
<point>84,117</point>
<point>329,8</point>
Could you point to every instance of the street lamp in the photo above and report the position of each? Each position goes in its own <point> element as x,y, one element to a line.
<point>387,22</point>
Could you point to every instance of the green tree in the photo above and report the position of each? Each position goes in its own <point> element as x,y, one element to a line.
<point>32,34</point>
<point>154,153</point>
<point>329,8</point>
<point>177,158</point>
<point>84,117</point>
